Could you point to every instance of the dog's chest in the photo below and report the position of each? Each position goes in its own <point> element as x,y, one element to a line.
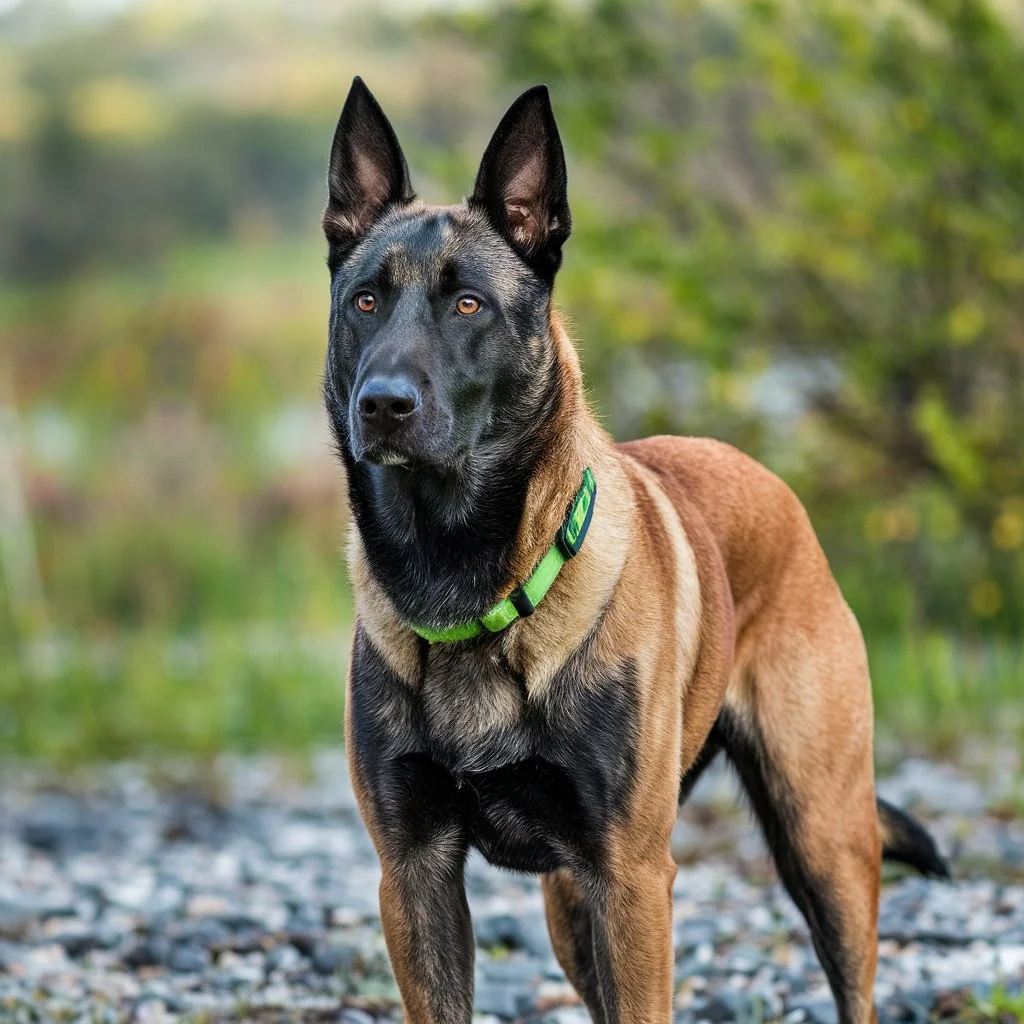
<point>537,781</point>
<point>531,781</point>
<point>475,716</point>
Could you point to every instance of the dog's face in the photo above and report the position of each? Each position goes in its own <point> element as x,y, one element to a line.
<point>439,315</point>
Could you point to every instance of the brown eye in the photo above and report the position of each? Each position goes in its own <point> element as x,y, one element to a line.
<point>467,305</point>
<point>365,302</point>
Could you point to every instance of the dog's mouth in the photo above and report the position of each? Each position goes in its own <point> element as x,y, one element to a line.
<point>412,460</point>
<point>410,446</point>
<point>386,456</point>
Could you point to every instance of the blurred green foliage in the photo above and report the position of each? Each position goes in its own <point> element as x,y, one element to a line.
<point>799,226</point>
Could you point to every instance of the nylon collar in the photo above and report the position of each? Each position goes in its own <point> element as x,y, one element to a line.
<point>525,598</point>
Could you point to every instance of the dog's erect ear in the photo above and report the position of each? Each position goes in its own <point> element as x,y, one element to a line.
<point>521,183</point>
<point>367,171</point>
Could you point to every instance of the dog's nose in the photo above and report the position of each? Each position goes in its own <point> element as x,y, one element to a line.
<point>387,401</point>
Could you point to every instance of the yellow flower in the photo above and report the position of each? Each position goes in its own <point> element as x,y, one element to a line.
<point>986,598</point>
<point>1008,531</point>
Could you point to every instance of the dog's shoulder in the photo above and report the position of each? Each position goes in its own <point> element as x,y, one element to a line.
<point>758,523</point>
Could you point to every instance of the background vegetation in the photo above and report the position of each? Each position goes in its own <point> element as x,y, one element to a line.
<point>799,226</point>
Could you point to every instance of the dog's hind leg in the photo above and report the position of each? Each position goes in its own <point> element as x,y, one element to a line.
<point>802,748</point>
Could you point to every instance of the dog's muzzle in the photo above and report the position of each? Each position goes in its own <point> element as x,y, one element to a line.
<point>386,410</point>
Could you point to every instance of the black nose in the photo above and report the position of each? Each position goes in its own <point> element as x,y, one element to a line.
<point>385,401</point>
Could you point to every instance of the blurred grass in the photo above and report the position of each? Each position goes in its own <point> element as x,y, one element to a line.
<point>933,691</point>
<point>150,694</point>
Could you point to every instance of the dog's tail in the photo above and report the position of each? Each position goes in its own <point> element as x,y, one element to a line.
<point>906,841</point>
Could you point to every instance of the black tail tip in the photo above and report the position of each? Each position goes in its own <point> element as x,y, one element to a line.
<point>906,841</point>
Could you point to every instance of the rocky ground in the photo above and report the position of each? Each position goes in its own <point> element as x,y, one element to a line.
<point>252,896</point>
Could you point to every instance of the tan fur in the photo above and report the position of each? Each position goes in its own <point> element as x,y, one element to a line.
<point>702,566</point>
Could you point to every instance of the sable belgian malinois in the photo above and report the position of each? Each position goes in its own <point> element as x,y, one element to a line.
<point>556,634</point>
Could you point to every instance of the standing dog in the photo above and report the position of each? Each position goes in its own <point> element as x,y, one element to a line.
<point>556,634</point>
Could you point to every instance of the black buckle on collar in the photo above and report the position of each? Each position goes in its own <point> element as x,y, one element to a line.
<point>521,602</point>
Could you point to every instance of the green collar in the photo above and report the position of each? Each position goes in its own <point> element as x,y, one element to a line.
<point>524,599</point>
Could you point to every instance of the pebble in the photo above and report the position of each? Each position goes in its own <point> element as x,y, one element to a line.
<point>126,901</point>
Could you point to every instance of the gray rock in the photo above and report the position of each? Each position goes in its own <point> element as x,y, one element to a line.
<point>11,953</point>
<point>497,930</point>
<point>716,1010</point>
<point>188,958</point>
<point>206,932</point>
<point>328,958</point>
<point>284,957</point>
<point>509,972</point>
<point>503,1000</point>
<point>150,952</point>
<point>103,908</point>
<point>15,918</point>
<point>692,933</point>
<point>353,1016</point>
<point>818,1011</point>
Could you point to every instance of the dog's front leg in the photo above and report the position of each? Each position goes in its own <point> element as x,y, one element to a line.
<point>411,810</point>
<point>428,931</point>
<point>612,931</point>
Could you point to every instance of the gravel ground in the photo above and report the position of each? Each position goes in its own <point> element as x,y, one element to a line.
<point>124,896</point>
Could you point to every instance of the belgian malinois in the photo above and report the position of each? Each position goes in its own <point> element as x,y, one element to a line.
<point>556,634</point>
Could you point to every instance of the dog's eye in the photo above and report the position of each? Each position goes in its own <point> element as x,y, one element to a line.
<point>467,305</point>
<point>365,302</point>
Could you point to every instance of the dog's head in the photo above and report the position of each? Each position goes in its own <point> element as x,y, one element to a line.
<point>439,343</point>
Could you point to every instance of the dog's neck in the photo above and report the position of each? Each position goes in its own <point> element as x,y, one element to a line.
<point>445,546</point>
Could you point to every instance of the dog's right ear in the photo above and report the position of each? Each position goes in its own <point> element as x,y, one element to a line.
<point>367,172</point>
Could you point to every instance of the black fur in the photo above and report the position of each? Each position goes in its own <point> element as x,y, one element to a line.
<point>522,183</point>
<point>533,795</point>
<point>367,172</point>
<point>536,794</point>
<point>908,843</point>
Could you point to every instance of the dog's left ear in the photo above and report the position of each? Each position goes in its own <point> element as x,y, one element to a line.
<point>521,184</point>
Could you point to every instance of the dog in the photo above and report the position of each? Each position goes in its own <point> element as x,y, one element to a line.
<point>556,634</point>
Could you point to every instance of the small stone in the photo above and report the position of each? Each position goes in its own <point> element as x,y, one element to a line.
<point>206,905</point>
<point>354,1016</point>
<point>284,957</point>
<point>150,952</point>
<point>820,1011</point>
<point>11,954</point>
<point>503,1000</point>
<point>151,1011</point>
<point>509,972</point>
<point>15,918</point>
<point>498,930</point>
<point>715,1010</point>
<point>743,960</point>
<point>207,932</point>
<point>329,958</point>
<point>188,959</point>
